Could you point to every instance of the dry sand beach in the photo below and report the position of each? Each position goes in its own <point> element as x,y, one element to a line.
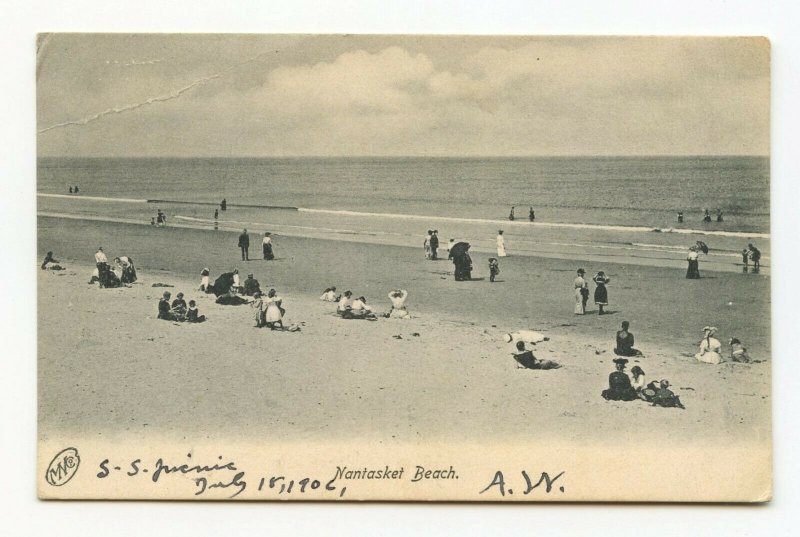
<point>445,375</point>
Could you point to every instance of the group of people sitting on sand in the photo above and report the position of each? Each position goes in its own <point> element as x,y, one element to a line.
<point>711,349</point>
<point>178,310</point>
<point>105,275</point>
<point>622,387</point>
<point>357,308</point>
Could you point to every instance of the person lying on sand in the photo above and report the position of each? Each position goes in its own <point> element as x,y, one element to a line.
<point>525,359</point>
<point>399,309</point>
<point>619,384</point>
<point>528,336</point>
<point>664,397</point>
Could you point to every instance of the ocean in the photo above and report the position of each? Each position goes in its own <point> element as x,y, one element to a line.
<point>624,191</point>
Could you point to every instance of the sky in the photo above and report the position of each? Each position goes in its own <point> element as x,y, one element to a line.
<point>227,95</point>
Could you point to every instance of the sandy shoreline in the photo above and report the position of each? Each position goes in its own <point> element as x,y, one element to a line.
<point>112,369</point>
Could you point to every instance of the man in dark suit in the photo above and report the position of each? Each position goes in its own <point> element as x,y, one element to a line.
<point>244,244</point>
<point>434,244</point>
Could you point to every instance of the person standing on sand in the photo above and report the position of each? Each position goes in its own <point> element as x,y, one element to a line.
<point>266,245</point>
<point>101,261</point>
<point>494,269</point>
<point>511,214</point>
<point>706,217</point>
<point>223,206</point>
<point>426,244</point>
<point>216,214</point>
<point>244,244</point>
<point>581,292</point>
<point>755,256</point>
<point>531,215</point>
<point>501,244</point>
<point>680,217</point>
<point>274,315</point>
<point>693,270</point>
<point>434,244</point>
<point>601,293</point>
<point>745,259</point>
<point>719,215</point>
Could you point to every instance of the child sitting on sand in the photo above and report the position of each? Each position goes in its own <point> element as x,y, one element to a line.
<point>738,352</point>
<point>192,315</point>
<point>494,268</point>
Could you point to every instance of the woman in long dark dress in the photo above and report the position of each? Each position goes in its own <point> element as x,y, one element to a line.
<point>600,292</point>
<point>693,270</point>
<point>463,265</point>
<point>267,247</point>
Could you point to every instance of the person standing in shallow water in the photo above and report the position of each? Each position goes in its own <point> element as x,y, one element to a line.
<point>581,292</point>
<point>600,292</point>
<point>244,244</point>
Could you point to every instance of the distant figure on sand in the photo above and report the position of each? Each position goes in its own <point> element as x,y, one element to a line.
<point>494,268</point>
<point>450,244</point>
<point>251,286</point>
<point>738,352</point>
<point>399,309</point>
<point>329,295</point>
<point>706,217</point>
<point>216,214</point>
<point>619,384</point>
<point>204,285</point>
<point>525,359</point>
<point>719,215</point>
<point>193,315</point>
<point>600,292</point>
<point>755,257</point>
<point>501,244</point>
<point>426,244</point>
<point>70,190</point>
<point>244,245</point>
<point>462,261</point>
<point>710,347</point>
<point>266,245</point>
<point>161,218</point>
<point>625,342</point>
<point>128,269</point>
<point>680,217</point>
<point>434,243</point>
<point>223,206</point>
<point>581,292</point>
<point>531,215</point>
<point>693,270</point>
<point>511,214</point>
<point>101,261</point>
<point>745,259</point>
<point>76,189</point>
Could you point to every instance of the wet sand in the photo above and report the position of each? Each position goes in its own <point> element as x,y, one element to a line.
<point>107,365</point>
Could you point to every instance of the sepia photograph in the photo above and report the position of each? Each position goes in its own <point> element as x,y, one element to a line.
<point>403,267</point>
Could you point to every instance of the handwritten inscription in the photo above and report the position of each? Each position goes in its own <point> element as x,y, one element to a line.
<point>529,484</point>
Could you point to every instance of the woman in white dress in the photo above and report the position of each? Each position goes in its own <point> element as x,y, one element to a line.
<point>329,295</point>
<point>501,244</point>
<point>344,302</point>
<point>426,245</point>
<point>204,285</point>
<point>399,310</point>
<point>581,292</point>
<point>274,316</point>
<point>710,347</point>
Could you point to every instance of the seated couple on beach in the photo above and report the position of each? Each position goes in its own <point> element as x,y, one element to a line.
<point>350,308</point>
<point>620,387</point>
<point>711,349</point>
<point>227,287</point>
<point>178,310</point>
<point>526,360</point>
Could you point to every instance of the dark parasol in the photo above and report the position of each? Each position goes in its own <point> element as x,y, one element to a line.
<point>459,249</point>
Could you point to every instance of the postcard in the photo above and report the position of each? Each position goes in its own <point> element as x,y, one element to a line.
<point>403,267</point>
